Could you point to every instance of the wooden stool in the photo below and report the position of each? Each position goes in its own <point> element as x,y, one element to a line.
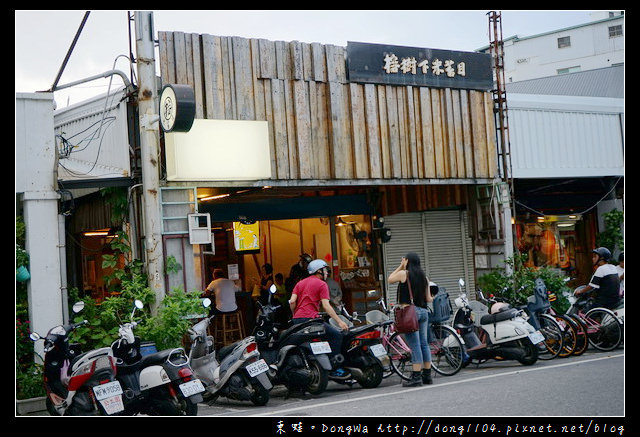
<point>228,328</point>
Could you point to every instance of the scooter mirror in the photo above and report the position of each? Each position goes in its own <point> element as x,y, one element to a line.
<point>206,302</point>
<point>78,306</point>
<point>34,336</point>
<point>461,282</point>
<point>138,303</point>
<point>273,289</point>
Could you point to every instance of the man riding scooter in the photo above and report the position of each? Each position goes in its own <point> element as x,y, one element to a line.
<point>306,298</point>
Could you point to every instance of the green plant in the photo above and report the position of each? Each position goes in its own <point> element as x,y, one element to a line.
<point>517,286</point>
<point>171,265</point>
<point>612,237</point>
<point>29,381</point>
<point>168,327</point>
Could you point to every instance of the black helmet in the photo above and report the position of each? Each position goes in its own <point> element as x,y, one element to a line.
<point>305,257</point>
<point>603,253</point>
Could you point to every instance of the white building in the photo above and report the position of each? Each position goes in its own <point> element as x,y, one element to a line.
<point>565,98</point>
<point>597,44</point>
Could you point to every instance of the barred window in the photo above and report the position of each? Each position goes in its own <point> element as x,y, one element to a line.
<point>615,31</point>
<point>565,41</point>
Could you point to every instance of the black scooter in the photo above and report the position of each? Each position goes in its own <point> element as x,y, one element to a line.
<point>78,384</point>
<point>297,356</point>
<point>362,356</point>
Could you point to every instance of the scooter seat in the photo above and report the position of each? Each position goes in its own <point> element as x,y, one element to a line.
<point>360,329</point>
<point>489,319</point>
<point>155,358</point>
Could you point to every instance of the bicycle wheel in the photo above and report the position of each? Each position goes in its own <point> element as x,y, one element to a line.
<point>400,356</point>
<point>387,370</point>
<point>447,350</point>
<point>582,341</point>
<point>569,336</point>
<point>607,334</point>
<point>552,345</point>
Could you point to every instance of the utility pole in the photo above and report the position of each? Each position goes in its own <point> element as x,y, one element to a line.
<point>150,152</point>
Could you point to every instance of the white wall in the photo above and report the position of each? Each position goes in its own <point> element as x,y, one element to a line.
<point>35,161</point>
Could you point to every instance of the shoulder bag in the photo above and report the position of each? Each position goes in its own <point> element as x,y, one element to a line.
<point>406,318</point>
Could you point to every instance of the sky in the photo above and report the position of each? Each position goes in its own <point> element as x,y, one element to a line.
<point>42,38</point>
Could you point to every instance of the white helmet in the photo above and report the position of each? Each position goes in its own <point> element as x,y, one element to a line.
<point>316,265</point>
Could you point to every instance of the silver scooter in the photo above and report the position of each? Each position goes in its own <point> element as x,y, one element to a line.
<point>235,371</point>
<point>502,334</point>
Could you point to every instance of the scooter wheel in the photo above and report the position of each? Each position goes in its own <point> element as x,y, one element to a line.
<point>319,378</point>
<point>372,376</point>
<point>260,395</point>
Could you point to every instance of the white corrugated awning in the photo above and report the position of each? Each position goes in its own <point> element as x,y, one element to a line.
<point>565,136</point>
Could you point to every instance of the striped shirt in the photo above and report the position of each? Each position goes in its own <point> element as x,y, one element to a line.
<point>607,284</point>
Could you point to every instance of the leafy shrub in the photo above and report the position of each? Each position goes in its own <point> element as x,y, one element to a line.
<point>517,286</point>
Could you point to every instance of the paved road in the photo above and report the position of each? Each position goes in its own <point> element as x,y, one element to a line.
<point>589,385</point>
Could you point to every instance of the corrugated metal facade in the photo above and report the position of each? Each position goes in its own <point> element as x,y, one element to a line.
<point>566,136</point>
<point>92,139</point>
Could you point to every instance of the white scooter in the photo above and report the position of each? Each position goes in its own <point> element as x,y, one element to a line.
<point>237,372</point>
<point>504,334</point>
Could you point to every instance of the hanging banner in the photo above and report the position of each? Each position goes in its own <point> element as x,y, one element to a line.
<point>246,237</point>
<point>399,65</point>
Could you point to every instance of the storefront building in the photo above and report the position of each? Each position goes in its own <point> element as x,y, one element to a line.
<point>355,155</point>
<point>567,142</point>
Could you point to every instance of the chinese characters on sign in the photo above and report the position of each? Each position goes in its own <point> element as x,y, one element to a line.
<point>411,65</point>
<point>398,65</point>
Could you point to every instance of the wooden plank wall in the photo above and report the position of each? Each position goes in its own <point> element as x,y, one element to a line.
<point>323,127</point>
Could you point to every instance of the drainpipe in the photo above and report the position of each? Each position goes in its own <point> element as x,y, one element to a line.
<point>150,153</point>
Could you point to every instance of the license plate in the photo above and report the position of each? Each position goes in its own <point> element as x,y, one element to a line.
<point>257,368</point>
<point>320,347</point>
<point>191,388</point>
<point>113,404</point>
<point>536,337</point>
<point>107,390</point>
<point>378,350</point>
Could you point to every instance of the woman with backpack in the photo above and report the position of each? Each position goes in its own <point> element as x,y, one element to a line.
<point>409,271</point>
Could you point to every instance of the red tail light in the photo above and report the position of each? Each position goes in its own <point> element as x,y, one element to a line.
<point>251,347</point>
<point>185,373</point>
<point>370,334</point>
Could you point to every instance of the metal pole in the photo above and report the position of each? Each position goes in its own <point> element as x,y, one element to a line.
<point>150,153</point>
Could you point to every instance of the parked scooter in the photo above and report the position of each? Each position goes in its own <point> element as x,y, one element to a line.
<point>237,372</point>
<point>505,334</point>
<point>297,356</point>
<point>78,384</point>
<point>158,384</point>
<point>362,356</point>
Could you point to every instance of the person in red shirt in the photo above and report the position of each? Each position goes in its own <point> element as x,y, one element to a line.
<point>312,293</point>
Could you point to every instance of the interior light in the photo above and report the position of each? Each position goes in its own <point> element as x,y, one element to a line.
<point>219,196</point>
<point>96,233</point>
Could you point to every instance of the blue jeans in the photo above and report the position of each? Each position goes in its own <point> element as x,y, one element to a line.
<point>417,341</point>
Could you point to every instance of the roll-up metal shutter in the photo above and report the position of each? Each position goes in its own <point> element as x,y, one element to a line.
<point>449,250</point>
<point>407,235</point>
<point>441,240</point>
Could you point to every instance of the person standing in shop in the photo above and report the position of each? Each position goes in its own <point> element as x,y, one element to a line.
<point>298,271</point>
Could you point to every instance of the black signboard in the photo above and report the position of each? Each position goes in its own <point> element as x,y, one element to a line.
<point>399,65</point>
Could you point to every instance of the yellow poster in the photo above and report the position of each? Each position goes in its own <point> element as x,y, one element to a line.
<point>246,237</point>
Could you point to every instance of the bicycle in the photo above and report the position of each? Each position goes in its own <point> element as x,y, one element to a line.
<point>575,332</point>
<point>447,349</point>
<point>603,328</point>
